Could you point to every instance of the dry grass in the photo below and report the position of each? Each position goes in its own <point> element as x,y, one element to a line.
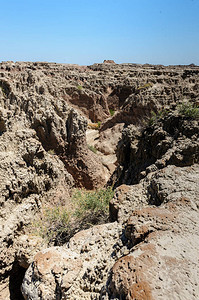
<point>56,224</point>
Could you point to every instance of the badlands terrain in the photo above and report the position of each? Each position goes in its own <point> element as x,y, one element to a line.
<point>130,128</point>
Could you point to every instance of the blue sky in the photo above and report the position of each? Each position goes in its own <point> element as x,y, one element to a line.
<point>89,31</point>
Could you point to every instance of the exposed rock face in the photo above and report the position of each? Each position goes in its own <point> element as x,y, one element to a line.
<point>109,61</point>
<point>55,267</point>
<point>34,99</point>
<point>28,176</point>
<point>91,89</point>
<point>150,250</point>
<point>109,139</point>
<point>136,90</point>
<point>34,127</point>
<point>155,257</point>
<point>172,140</point>
<point>81,163</point>
<point>163,262</point>
<point>77,270</point>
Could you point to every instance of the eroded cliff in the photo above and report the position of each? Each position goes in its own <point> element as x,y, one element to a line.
<point>145,145</point>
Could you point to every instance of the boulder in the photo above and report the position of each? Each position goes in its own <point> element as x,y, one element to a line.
<point>149,254</point>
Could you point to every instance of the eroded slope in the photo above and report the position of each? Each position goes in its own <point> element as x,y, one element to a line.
<point>44,111</point>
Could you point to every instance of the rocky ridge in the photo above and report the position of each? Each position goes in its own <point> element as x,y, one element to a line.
<point>44,111</point>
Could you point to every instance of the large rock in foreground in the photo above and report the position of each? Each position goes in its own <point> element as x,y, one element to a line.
<point>154,258</point>
<point>77,270</point>
<point>163,261</point>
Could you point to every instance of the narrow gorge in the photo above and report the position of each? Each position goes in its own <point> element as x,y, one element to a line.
<point>126,133</point>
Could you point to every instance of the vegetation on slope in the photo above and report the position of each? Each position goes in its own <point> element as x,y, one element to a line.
<point>57,224</point>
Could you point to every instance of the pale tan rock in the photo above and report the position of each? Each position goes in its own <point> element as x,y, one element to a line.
<point>172,139</point>
<point>109,138</point>
<point>154,258</point>
<point>77,270</point>
<point>28,174</point>
<point>163,262</point>
<point>43,115</point>
<point>127,198</point>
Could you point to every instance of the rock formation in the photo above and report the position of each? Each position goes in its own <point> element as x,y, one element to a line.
<point>162,262</point>
<point>145,145</point>
<point>154,258</point>
<point>172,140</point>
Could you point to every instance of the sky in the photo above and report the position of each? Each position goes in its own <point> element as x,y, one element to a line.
<point>88,31</point>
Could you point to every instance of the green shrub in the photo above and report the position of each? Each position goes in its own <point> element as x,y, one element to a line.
<point>51,151</point>
<point>92,201</point>
<point>53,224</point>
<point>145,86</point>
<point>56,225</point>
<point>188,110</point>
<point>99,124</point>
<point>111,111</point>
<point>93,149</point>
<point>156,116</point>
<point>80,87</point>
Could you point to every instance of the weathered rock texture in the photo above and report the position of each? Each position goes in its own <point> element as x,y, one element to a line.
<point>150,251</point>
<point>28,176</point>
<point>163,263</point>
<point>154,258</point>
<point>171,140</point>
<point>77,270</point>
<point>33,98</point>
<point>35,125</point>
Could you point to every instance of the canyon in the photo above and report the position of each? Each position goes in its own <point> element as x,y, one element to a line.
<point>131,127</point>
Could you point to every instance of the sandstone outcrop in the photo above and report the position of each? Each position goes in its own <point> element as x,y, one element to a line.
<point>35,98</point>
<point>80,162</point>
<point>108,61</point>
<point>77,270</point>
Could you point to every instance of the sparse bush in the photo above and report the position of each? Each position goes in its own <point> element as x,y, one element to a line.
<point>99,124</point>
<point>80,87</point>
<point>92,201</point>
<point>51,151</point>
<point>53,224</point>
<point>188,110</point>
<point>111,111</point>
<point>145,86</point>
<point>56,225</point>
<point>156,116</point>
<point>93,149</point>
